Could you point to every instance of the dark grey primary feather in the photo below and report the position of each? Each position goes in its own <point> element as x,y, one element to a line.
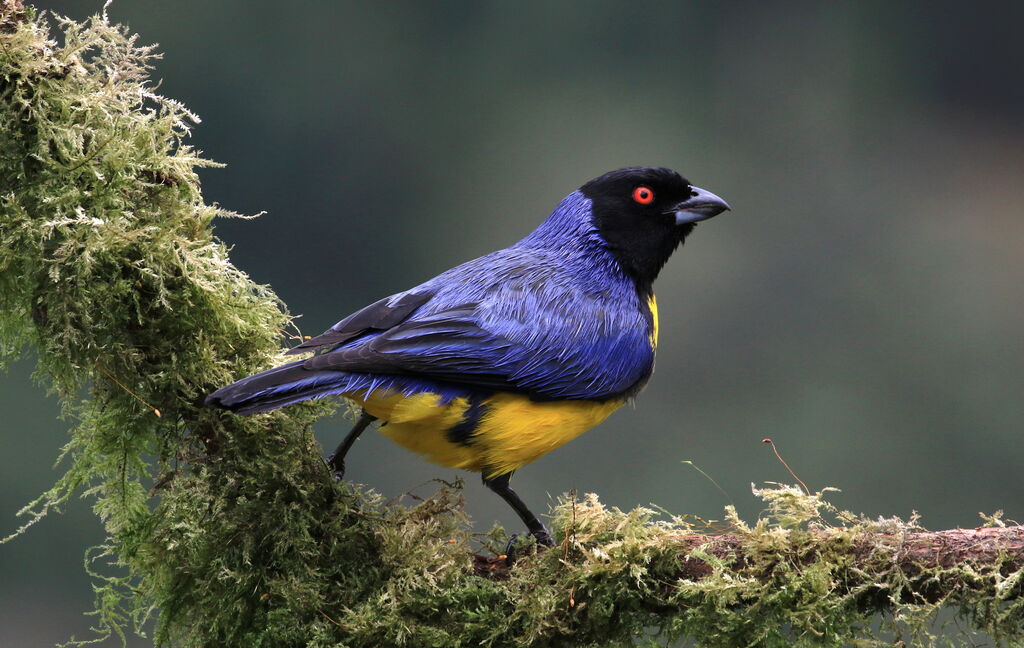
<point>378,316</point>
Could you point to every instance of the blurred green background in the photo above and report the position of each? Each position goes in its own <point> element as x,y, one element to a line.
<point>862,305</point>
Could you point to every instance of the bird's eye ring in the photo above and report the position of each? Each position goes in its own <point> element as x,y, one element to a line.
<point>643,195</point>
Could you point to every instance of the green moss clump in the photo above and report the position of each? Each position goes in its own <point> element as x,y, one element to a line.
<point>229,531</point>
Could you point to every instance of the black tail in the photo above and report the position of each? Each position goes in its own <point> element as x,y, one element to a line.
<point>274,388</point>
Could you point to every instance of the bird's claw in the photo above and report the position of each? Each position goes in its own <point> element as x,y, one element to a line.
<point>542,537</point>
<point>510,550</point>
<point>337,468</point>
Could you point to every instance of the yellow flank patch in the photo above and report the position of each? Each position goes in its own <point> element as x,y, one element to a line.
<point>516,430</point>
<point>652,304</point>
<point>420,423</point>
<point>513,431</point>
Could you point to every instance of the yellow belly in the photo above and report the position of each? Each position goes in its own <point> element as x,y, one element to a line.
<point>512,432</point>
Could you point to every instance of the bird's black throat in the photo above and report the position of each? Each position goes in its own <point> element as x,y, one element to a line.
<point>641,253</point>
<point>641,236</point>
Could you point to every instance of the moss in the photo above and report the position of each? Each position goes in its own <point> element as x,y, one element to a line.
<point>229,531</point>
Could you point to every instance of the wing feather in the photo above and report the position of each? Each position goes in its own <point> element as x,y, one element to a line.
<point>378,316</point>
<point>563,345</point>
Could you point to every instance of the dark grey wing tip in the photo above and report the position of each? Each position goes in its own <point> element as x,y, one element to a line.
<point>378,316</point>
<point>226,398</point>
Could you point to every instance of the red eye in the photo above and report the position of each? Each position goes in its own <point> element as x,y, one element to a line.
<point>643,195</point>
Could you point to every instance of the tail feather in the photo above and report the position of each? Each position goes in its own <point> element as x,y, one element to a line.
<point>293,383</point>
<point>277,387</point>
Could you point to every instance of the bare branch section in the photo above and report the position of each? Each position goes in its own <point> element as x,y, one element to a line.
<point>228,531</point>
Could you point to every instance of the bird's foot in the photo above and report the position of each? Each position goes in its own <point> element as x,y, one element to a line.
<point>510,546</point>
<point>337,467</point>
<point>510,549</point>
<point>541,536</point>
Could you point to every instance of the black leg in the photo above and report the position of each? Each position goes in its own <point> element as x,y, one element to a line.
<point>336,461</point>
<point>500,486</point>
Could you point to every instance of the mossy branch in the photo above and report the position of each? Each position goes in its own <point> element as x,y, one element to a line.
<point>229,531</point>
<point>936,564</point>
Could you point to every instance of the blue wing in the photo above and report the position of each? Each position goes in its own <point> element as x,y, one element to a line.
<point>508,324</point>
<point>553,324</point>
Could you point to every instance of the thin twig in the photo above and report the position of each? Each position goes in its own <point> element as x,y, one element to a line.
<point>710,479</point>
<point>328,617</point>
<point>776,451</point>
<point>134,395</point>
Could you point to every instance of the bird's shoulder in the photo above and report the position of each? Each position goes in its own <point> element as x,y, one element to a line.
<point>521,284</point>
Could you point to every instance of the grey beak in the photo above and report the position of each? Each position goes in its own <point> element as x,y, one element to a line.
<point>701,205</point>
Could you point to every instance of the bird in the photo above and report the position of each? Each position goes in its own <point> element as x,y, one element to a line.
<point>502,359</point>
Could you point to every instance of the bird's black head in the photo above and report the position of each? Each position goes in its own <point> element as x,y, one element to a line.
<point>644,213</point>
